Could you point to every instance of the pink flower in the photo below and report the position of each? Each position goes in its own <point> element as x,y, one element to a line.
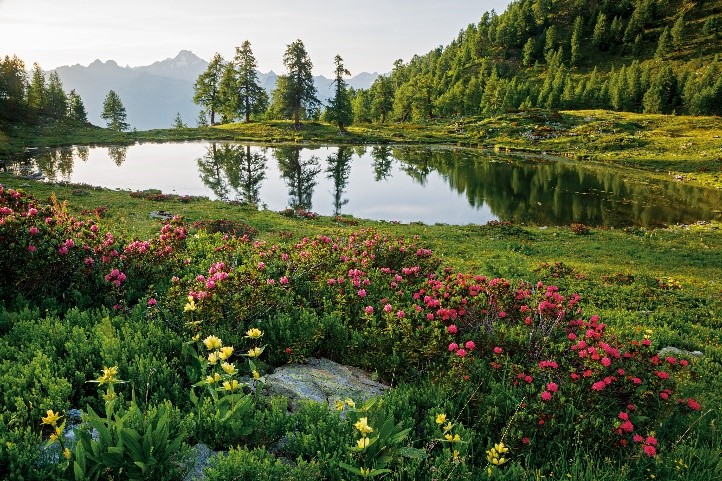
<point>502,314</point>
<point>453,347</point>
<point>470,345</point>
<point>63,250</point>
<point>270,281</point>
<point>664,395</point>
<point>32,248</point>
<point>637,438</point>
<point>650,451</point>
<point>623,416</point>
<point>606,362</point>
<point>362,293</point>
<point>498,350</point>
<point>662,375</point>
<point>546,396</point>
<point>683,362</point>
<point>553,387</point>
<point>571,336</point>
<point>152,302</point>
<point>400,314</point>
<point>32,211</point>
<point>528,379</point>
<point>261,266</point>
<point>598,386</point>
<point>369,310</point>
<point>283,280</point>
<point>33,230</point>
<point>388,308</point>
<point>646,342</point>
<point>694,405</point>
<point>636,381</point>
<point>452,329</point>
<point>627,426</point>
<point>651,440</point>
<point>461,353</point>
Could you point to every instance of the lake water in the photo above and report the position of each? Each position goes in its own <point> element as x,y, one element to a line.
<point>405,184</point>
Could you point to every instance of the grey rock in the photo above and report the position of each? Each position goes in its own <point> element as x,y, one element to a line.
<point>675,351</point>
<point>322,381</point>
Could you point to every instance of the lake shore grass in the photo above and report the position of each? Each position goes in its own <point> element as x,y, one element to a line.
<point>685,148</point>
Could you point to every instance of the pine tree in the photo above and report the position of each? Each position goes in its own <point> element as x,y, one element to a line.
<point>252,98</point>
<point>56,100</point>
<point>527,53</point>
<point>207,86</point>
<point>76,109</point>
<point>298,96</point>
<point>178,122</point>
<point>664,45</point>
<point>228,94</point>
<point>340,110</point>
<point>114,112</point>
<point>36,89</point>
<point>600,35</point>
<point>382,93</point>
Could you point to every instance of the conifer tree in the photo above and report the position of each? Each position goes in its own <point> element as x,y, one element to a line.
<point>678,32</point>
<point>56,100</point>
<point>340,110</point>
<point>576,41</point>
<point>228,94</point>
<point>527,53</point>
<point>76,108</point>
<point>114,112</point>
<point>207,86</point>
<point>298,94</point>
<point>252,98</point>
<point>36,89</point>
<point>664,45</point>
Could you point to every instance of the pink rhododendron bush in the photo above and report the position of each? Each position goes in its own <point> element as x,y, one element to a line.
<point>524,369</point>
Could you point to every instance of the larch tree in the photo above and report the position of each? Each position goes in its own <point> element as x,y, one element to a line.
<point>56,100</point>
<point>36,89</point>
<point>207,87</point>
<point>252,98</point>
<point>114,112</point>
<point>299,94</point>
<point>76,108</point>
<point>340,110</point>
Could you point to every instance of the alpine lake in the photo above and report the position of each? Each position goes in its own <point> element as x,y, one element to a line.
<point>429,184</point>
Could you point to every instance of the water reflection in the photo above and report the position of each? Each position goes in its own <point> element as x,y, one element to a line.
<point>339,170</point>
<point>229,167</point>
<point>299,174</point>
<point>385,182</point>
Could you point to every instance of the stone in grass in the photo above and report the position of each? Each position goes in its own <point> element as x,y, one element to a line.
<point>160,214</point>
<point>677,352</point>
<point>322,381</point>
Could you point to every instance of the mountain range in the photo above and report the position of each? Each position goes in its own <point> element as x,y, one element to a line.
<point>154,94</point>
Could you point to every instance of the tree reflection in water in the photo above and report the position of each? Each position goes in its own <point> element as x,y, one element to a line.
<point>227,167</point>
<point>338,170</point>
<point>298,174</point>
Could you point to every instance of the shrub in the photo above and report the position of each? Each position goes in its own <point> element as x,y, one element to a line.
<point>259,465</point>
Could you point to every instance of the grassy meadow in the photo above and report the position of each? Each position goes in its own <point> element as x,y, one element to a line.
<point>499,370</point>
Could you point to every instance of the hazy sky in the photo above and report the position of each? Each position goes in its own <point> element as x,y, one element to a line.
<point>368,34</point>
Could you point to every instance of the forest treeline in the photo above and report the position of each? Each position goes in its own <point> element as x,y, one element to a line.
<point>28,98</point>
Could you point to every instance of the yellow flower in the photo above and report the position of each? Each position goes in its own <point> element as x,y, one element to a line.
<point>226,352</point>
<point>349,402</point>
<point>456,454</point>
<point>254,333</point>
<point>498,461</point>
<point>365,472</point>
<point>255,375</point>
<point>363,426</point>
<point>66,453</point>
<point>440,418</point>
<point>56,434</point>
<point>448,426</point>
<point>108,376</point>
<point>339,405</point>
<point>109,396</point>
<point>255,352</point>
<point>212,343</point>
<point>51,418</point>
<point>229,368</point>
<point>500,448</point>
<point>230,385</point>
<point>213,358</point>
<point>213,379</point>
<point>363,443</point>
<point>452,439</point>
<point>190,305</point>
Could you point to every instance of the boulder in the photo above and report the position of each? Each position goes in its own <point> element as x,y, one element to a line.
<point>322,381</point>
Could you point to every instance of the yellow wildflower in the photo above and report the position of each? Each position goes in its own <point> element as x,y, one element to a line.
<point>254,333</point>
<point>51,418</point>
<point>226,352</point>
<point>448,426</point>
<point>229,368</point>
<point>212,343</point>
<point>255,375</point>
<point>349,402</point>
<point>500,448</point>
<point>456,454</point>
<point>56,434</point>
<point>108,376</point>
<point>363,443</point>
<point>339,405</point>
<point>255,352</point>
<point>440,418</point>
<point>452,439</point>
<point>365,472</point>
<point>363,426</point>
<point>230,385</point>
<point>498,461</point>
<point>190,305</point>
<point>66,453</point>
<point>109,396</point>
<point>213,358</point>
<point>213,379</point>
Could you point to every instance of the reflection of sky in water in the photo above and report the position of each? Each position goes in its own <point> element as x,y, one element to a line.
<point>173,168</point>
